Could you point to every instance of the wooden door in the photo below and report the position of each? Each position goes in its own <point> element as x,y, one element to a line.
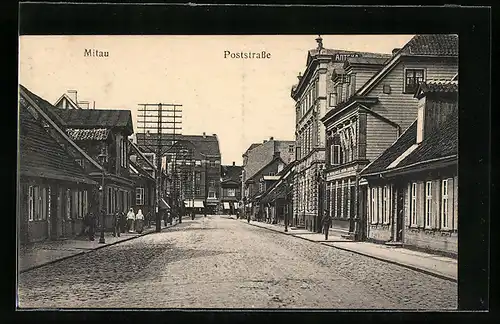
<point>400,200</point>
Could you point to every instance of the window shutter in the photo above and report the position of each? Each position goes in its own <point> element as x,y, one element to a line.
<point>454,188</point>
<point>369,203</point>
<point>407,202</point>
<point>420,203</point>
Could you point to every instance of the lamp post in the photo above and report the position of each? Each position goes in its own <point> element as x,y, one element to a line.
<point>287,206</point>
<point>102,159</point>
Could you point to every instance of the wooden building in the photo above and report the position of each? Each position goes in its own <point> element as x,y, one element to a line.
<point>313,96</point>
<point>370,115</point>
<point>55,192</point>
<point>413,185</point>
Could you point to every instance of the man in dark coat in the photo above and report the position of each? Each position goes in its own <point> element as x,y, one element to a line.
<point>91,224</point>
<point>117,224</point>
<point>327,221</point>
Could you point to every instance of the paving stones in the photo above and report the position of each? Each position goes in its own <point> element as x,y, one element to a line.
<point>219,263</point>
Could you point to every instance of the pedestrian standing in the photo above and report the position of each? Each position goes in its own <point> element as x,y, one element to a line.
<point>91,224</point>
<point>117,224</point>
<point>139,221</point>
<point>327,221</point>
<point>130,220</point>
<point>148,219</point>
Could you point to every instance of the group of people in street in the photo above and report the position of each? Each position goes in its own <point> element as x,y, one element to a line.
<point>131,222</point>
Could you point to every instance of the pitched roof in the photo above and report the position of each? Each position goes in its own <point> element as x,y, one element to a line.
<point>432,44</point>
<point>42,156</point>
<point>252,146</point>
<point>441,86</point>
<point>92,134</point>
<point>333,52</point>
<point>206,145</point>
<point>441,45</point>
<point>274,159</point>
<point>441,143</point>
<point>46,106</point>
<point>70,101</point>
<point>96,118</point>
<point>407,139</point>
<point>231,173</point>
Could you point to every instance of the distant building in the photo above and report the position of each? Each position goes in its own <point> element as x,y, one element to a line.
<point>261,158</point>
<point>366,120</point>
<point>413,185</point>
<point>193,168</point>
<point>230,185</point>
<point>315,95</point>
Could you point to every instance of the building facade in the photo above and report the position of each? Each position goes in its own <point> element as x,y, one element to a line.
<point>230,185</point>
<point>360,126</point>
<point>257,157</point>
<point>413,185</point>
<point>314,98</point>
<point>54,193</point>
<point>193,167</point>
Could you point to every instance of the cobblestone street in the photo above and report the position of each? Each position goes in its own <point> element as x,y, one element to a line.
<point>216,262</point>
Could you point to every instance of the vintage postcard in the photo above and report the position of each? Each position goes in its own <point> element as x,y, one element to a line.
<point>238,172</point>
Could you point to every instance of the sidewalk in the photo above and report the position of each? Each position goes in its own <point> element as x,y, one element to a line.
<point>439,266</point>
<point>38,254</point>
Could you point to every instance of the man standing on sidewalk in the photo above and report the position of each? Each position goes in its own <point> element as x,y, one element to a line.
<point>91,224</point>
<point>327,221</point>
<point>116,224</point>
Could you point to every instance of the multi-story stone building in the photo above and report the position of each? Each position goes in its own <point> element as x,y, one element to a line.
<point>370,117</point>
<point>313,97</point>
<point>260,156</point>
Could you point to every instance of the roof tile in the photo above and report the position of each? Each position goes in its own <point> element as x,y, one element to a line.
<point>432,44</point>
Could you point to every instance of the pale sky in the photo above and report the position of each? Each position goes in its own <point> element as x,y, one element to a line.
<point>242,101</point>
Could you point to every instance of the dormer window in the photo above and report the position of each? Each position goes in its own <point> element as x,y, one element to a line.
<point>413,77</point>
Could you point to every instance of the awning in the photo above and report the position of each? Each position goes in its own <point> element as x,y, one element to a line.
<point>163,204</point>
<point>197,203</point>
<point>226,205</point>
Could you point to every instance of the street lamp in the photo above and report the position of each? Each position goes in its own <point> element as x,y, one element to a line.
<point>102,159</point>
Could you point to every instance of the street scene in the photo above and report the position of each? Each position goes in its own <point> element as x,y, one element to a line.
<point>221,262</point>
<point>273,171</point>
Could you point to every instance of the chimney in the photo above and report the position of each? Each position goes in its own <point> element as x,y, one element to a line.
<point>299,76</point>
<point>264,141</point>
<point>271,138</point>
<point>204,135</point>
<point>72,94</point>
<point>234,163</point>
<point>394,51</point>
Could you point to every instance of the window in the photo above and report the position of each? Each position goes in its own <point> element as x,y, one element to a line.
<point>331,102</point>
<point>211,183</point>
<point>109,202</point>
<point>385,205</point>
<point>139,196</point>
<point>428,204</point>
<point>290,149</point>
<point>412,79</point>
<point>445,214</point>
<point>212,164</point>
<point>31,205</point>
<point>335,154</point>
<point>373,206</point>
<point>261,186</point>
<point>211,194</point>
<point>231,192</point>
<point>198,162</point>
<point>413,206</point>
<point>271,174</point>
<point>68,204</point>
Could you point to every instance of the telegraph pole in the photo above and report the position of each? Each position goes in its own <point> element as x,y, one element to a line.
<point>152,122</point>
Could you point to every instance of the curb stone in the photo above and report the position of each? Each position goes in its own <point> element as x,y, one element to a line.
<point>92,250</point>
<point>404,265</point>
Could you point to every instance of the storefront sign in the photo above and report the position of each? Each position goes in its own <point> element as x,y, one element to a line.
<point>345,56</point>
